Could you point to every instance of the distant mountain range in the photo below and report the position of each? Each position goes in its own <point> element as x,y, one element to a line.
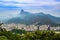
<point>37,18</point>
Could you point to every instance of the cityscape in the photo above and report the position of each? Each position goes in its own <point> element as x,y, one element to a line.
<point>29,19</point>
<point>29,27</point>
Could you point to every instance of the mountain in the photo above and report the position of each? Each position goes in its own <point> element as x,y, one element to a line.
<point>37,18</point>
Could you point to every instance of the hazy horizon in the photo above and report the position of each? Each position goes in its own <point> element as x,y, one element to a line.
<point>11,8</point>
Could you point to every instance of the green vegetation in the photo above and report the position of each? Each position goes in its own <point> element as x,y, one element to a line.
<point>3,38</point>
<point>36,35</point>
<point>18,31</point>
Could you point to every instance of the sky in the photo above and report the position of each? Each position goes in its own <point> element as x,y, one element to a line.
<point>11,8</point>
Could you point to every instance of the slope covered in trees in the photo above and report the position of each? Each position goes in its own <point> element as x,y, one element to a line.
<point>36,35</point>
<point>28,18</point>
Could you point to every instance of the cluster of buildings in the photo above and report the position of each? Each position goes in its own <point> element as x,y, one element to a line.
<point>27,28</point>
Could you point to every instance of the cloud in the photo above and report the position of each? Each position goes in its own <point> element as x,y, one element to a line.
<point>48,5</point>
<point>57,0</point>
<point>28,2</point>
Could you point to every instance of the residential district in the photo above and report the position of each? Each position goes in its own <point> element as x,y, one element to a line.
<point>27,28</point>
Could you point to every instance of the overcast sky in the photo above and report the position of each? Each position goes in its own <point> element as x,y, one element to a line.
<point>12,7</point>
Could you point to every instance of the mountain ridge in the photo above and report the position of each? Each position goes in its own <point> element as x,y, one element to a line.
<point>29,18</point>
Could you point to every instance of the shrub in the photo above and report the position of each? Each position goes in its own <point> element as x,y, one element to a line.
<point>3,38</point>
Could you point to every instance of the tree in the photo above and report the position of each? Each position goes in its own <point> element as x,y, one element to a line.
<point>1,24</point>
<point>3,38</point>
<point>18,31</point>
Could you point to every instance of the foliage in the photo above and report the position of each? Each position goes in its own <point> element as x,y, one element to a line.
<point>3,38</point>
<point>18,31</point>
<point>1,24</point>
<point>36,35</point>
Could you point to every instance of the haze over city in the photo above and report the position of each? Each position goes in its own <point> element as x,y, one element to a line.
<point>29,19</point>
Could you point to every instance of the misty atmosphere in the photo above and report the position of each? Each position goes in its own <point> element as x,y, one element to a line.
<point>29,19</point>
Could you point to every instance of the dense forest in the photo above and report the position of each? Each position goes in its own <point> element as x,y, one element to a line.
<point>16,34</point>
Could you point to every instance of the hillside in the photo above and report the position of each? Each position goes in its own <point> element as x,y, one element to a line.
<point>37,18</point>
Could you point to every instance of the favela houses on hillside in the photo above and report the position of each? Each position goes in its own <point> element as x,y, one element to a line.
<point>29,19</point>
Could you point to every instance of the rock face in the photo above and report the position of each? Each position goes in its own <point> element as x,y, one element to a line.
<point>37,18</point>
<point>22,11</point>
